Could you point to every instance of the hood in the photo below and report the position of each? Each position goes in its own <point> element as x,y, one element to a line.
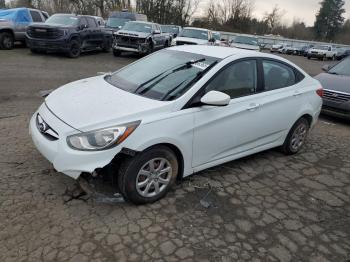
<point>245,46</point>
<point>334,82</point>
<point>192,40</point>
<point>94,103</point>
<point>133,33</point>
<point>50,26</point>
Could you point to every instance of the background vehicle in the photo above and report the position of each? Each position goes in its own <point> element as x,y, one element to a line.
<point>342,53</point>
<point>173,31</point>
<point>245,42</point>
<point>118,19</point>
<point>140,37</point>
<point>304,50</point>
<point>155,120</point>
<point>14,22</point>
<point>71,34</point>
<point>322,52</point>
<point>336,84</point>
<point>195,36</point>
<point>100,21</point>
<point>276,47</point>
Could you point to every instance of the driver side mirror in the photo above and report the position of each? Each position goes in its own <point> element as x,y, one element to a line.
<point>326,68</point>
<point>215,98</point>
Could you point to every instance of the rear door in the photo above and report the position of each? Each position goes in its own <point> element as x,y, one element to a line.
<point>84,33</point>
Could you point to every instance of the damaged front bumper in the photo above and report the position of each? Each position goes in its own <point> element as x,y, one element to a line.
<point>56,150</point>
<point>140,48</point>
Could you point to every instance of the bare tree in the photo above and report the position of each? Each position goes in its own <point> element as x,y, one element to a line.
<point>273,19</point>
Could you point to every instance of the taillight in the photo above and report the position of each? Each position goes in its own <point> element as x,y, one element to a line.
<point>320,92</point>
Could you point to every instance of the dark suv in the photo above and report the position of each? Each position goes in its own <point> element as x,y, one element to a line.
<point>68,33</point>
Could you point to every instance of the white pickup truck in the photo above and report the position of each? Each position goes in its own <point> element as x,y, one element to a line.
<point>322,52</point>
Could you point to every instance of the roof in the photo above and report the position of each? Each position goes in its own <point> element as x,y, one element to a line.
<point>213,51</point>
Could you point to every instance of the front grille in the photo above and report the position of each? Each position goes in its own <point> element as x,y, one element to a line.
<point>185,43</point>
<point>336,96</point>
<point>126,41</point>
<point>45,33</point>
<point>45,129</point>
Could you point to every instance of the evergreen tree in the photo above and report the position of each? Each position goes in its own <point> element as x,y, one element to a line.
<point>329,19</point>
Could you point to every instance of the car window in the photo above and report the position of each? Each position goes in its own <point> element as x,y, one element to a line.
<point>83,21</point>
<point>238,79</point>
<point>91,22</point>
<point>36,16</point>
<point>277,75</point>
<point>343,68</point>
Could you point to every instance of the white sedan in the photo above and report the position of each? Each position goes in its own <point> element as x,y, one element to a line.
<point>176,112</point>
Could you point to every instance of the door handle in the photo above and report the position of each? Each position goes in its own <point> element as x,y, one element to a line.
<point>253,107</point>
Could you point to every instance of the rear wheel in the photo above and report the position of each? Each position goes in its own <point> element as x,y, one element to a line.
<point>116,52</point>
<point>149,176</point>
<point>6,41</point>
<point>74,49</point>
<point>309,57</point>
<point>296,137</point>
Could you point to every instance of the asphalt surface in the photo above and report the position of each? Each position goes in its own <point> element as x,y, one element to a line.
<point>266,207</point>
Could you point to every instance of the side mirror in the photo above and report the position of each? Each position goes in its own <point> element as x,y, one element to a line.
<point>212,40</point>
<point>326,68</point>
<point>81,27</point>
<point>156,32</point>
<point>175,35</point>
<point>215,98</point>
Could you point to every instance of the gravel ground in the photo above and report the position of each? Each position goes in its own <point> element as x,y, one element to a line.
<point>266,207</point>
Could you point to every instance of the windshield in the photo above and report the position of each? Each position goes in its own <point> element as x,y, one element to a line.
<point>117,22</point>
<point>343,68</point>
<point>62,20</point>
<point>217,36</point>
<point>194,33</point>
<point>245,40</point>
<point>162,76</point>
<point>138,27</point>
<point>170,29</point>
<point>321,47</point>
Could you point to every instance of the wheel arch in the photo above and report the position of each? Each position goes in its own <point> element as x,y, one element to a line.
<point>7,30</point>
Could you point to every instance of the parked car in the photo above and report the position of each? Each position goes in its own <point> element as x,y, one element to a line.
<point>245,42</point>
<point>173,31</point>
<point>174,113</point>
<point>118,19</point>
<point>140,37</point>
<point>276,47</point>
<point>195,36</point>
<point>289,50</point>
<point>342,53</point>
<point>71,34</point>
<point>336,83</point>
<point>322,52</point>
<point>303,51</point>
<point>14,22</point>
<point>100,21</point>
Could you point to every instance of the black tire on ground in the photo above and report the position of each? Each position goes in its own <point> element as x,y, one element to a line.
<point>334,58</point>
<point>6,41</point>
<point>34,51</point>
<point>150,48</point>
<point>166,44</point>
<point>116,52</point>
<point>74,49</point>
<point>129,174</point>
<point>309,57</point>
<point>107,45</point>
<point>324,58</point>
<point>296,137</point>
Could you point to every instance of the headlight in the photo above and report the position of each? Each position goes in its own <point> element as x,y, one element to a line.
<point>102,139</point>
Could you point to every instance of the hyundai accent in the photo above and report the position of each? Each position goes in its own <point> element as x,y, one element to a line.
<point>174,113</point>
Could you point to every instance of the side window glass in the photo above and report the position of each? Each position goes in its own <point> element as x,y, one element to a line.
<point>92,22</point>
<point>36,16</point>
<point>238,79</point>
<point>83,22</point>
<point>277,75</point>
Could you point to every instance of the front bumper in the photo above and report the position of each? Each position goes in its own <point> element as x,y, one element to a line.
<point>332,108</point>
<point>141,48</point>
<point>47,45</point>
<point>315,55</point>
<point>64,159</point>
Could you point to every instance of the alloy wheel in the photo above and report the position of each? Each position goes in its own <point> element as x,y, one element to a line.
<point>298,137</point>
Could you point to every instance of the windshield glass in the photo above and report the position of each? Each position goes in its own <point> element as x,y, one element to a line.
<point>245,40</point>
<point>170,29</point>
<point>138,27</point>
<point>343,68</point>
<point>117,22</point>
<point>162,76</point>
<point>217,36</point>
<point>321,47</point>
<point>62,20</point>
<point>194,33</point>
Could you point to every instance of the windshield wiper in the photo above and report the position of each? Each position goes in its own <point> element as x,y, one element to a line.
<point>196,79</point>
<point>166,74</point>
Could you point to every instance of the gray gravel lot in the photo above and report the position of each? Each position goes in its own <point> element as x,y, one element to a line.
<point>267,207</point>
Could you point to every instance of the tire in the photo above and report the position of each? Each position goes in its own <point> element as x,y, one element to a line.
<point>296,137</point>
<point>324,58</point>
<point>106,47</point>
<point>308,57</point>
<point>34,51</point>
<point>134,172</point>
<point>74,49</point>
<point>150,48</point>
<point>6,41</point>
<point>166,45</point>
<point>116,52</point>
<point>334,58</point>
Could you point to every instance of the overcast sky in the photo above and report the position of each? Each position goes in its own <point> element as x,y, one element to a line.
<point>305,10</point>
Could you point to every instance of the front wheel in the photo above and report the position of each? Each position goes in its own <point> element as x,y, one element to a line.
<point>148,176</point>
<point>296,137</point>
<point>74,49</point>
<point>6,41</point>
